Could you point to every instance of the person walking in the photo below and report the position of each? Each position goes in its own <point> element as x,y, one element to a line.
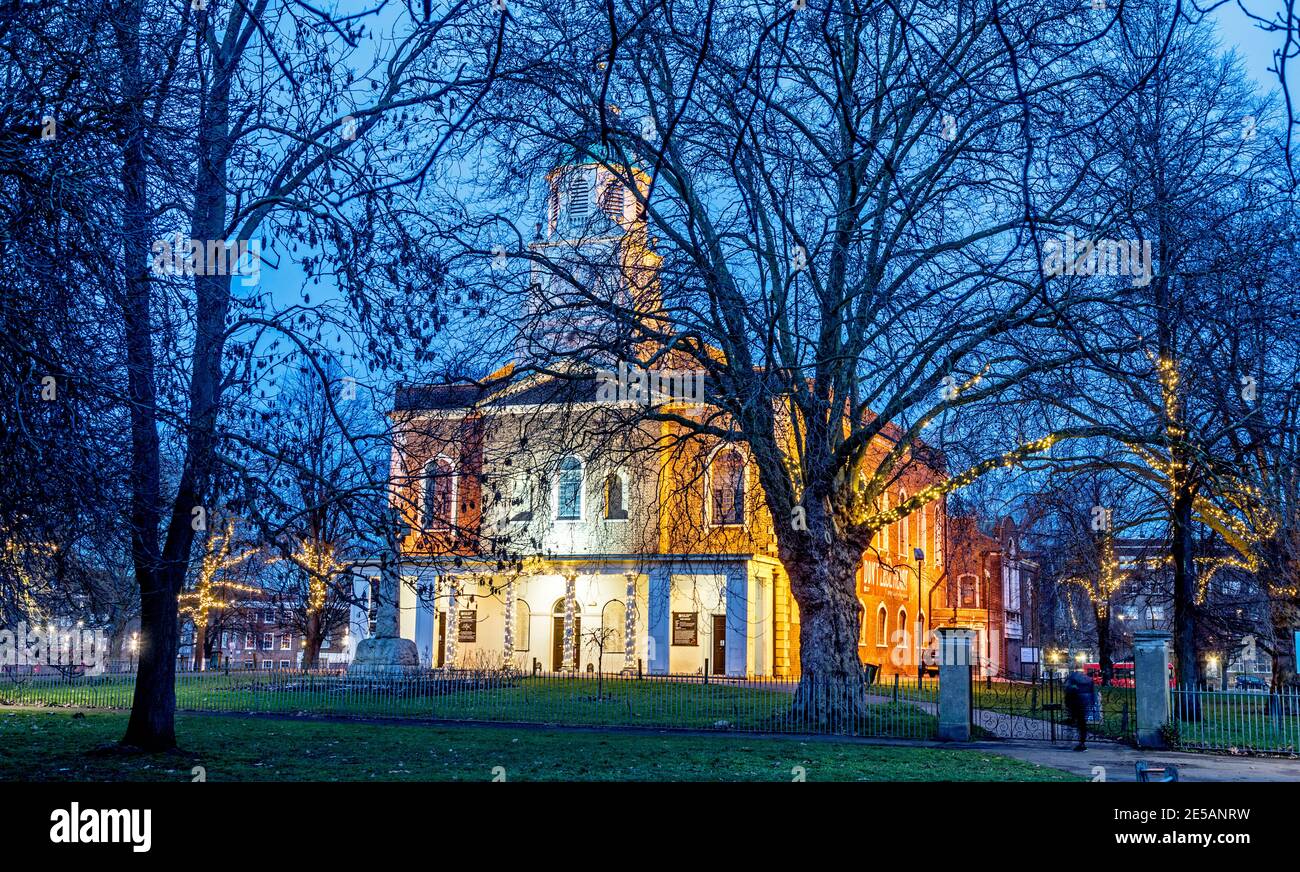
<point>1080,696</point>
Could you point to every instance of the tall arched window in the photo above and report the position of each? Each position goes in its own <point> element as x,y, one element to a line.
<point>904,530</point>
<point>523,626</point>
<point>903,628</point>
<point>882,627</point>
<point>613,622</point>
<point>727,487</point>
<point>568,500</point>
<point>439,494</point>
<point>615,497</point>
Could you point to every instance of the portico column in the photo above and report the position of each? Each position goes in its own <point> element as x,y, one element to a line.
<point>629,625</point>
<point>570,588</point>
<point>508,637</point>
<point>449,636</point>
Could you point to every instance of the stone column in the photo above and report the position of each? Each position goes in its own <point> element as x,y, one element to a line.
<point>659,586</point>
<point>508,638</point>
<point>1151,677</point>
<point>386,652</point>
<point>954,683</point>
<point>629,625</point>
<point>449,638</point>
<point>570,589</point>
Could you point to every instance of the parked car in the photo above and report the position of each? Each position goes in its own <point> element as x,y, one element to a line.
<point>1251,682</point>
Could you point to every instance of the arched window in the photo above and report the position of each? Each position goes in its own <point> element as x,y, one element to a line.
<point>523,626</point>
<point>881,540</point>
<point>615,497</point>
<point>613,621</point>
<point>568,500</point>
<point>727,487</point>
<point>439,494</point>
<point>902,626</point>
<point>612,200</point>
<point>904,530</point>
<point>938,537</point>
<point>882,627</point>
<point>579,195</point>
<point>968,591</point>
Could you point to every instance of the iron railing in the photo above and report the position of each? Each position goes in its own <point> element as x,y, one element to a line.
<point>895,707</point>
<point>1236,721</point>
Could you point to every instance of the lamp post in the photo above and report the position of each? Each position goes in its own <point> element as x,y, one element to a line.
<point>919,554</point>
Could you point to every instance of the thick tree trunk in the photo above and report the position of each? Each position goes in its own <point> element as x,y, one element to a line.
<point>1284,618</point>
<point>1187,666</point>
<point>312,639</point>
<point>152,726</point>
<point>823,577</point>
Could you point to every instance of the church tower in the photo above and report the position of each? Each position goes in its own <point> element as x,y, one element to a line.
<point>594,270</point>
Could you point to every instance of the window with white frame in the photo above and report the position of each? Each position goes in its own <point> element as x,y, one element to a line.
<point>439,494</point>
<point>268,642</point>
<point>882,627</point>
<point>286,642</point>
<point>568,490</point>
<point>523,625</point>
<point>727,488</point>
<point>613,622</point>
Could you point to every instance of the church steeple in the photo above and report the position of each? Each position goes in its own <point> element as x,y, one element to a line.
<point>589,196</point>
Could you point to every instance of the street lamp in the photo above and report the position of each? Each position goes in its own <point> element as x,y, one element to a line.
<point>919,554</point>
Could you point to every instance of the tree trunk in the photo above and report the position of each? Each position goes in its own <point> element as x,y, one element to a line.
<point>1101,613</point>
<point>823,578</point>
<point>200,646</point>
<point>153,707</point>
<point>1187,666</point>
<point>312,640</point>
<point>1284,617</point>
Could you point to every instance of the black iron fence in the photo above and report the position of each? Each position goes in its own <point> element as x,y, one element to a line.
<point>898,708</point>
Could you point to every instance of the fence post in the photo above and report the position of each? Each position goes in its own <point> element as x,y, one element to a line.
<point>954,684</point>
<point>1151,680</point>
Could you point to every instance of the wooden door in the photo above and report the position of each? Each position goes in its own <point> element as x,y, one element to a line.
<point>719,644</point>
<point>557,642</point>
<point>442,638</point>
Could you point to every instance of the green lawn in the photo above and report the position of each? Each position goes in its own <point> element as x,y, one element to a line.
<point>57,746</point>
<point>542,700</point>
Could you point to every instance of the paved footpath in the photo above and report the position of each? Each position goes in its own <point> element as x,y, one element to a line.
<point>1118,761</point>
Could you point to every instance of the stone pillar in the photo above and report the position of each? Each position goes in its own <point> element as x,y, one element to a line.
<point>737,611</point>
<point>629,625</point>
<point>659,587</point>
<point>508,638</point>
<point>954,683</point>
<point>386,652</point>
<point>1151,678</point>
<point>570,590</point>
<point>449,637</point>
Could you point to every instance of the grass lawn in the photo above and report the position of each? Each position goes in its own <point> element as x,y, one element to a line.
<point>59,746</point>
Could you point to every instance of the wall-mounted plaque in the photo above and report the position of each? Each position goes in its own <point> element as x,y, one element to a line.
<point>467,625</point>
<point>686,628</point>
